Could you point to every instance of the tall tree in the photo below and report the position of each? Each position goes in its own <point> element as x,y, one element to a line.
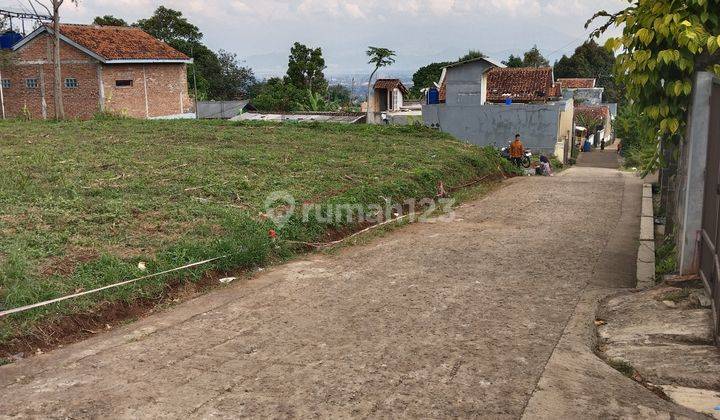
<point>53,9</point>
<point>237,79</point>
<point>592,61</point>
<point>379,57</point>
<point>533,58</point>
<point>305,68</point>
<point>471,55</point>
<point>170,26</point>
<point>217,77</point>
<point>427,76</point>
<point>513,61</point>
<point>109,20</point>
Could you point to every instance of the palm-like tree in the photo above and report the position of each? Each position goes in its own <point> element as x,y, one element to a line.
<point>381,57</point>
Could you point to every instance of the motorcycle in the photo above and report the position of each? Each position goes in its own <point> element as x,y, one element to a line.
<point>526,159</point>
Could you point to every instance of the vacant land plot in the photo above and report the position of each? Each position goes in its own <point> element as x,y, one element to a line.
<point>82,203</point>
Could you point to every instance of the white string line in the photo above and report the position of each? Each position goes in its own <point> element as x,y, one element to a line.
<point>122,283</point>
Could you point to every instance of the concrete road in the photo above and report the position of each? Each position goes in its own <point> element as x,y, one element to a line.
<point>433,320</point>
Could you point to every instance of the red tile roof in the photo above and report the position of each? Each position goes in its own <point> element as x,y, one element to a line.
<point>390,84</point>
<point>577,83</point>
<point>600,112</point>
<point>120,43</point>
<point>523,84</point>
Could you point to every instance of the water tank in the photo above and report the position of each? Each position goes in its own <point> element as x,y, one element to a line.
<point>433,96</point>
<point>8,39</point>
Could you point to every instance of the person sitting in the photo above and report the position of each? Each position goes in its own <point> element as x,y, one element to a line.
<point>545,166</point>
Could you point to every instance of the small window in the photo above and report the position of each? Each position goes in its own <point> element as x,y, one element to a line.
<point>31,83</point>
<point>71,83</point>
<point>123,83</point>
<point>6,83</point>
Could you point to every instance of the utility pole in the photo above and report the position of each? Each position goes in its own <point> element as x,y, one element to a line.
<point>57,89</point>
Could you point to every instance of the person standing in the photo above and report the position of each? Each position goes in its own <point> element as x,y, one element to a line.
<point>516,151</point>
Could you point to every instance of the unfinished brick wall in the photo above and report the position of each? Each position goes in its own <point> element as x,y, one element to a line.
<point>33,61</point>
<point>165,84</point>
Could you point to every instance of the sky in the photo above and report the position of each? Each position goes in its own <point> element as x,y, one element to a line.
<point>261,32</point>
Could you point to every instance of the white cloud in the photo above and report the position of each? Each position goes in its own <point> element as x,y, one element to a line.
<point>418,29</point>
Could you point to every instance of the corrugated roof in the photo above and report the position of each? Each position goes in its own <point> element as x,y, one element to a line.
<point>390,84</point>
<point>577,83</point>
<point>330,117</point>
<point>521,84</point>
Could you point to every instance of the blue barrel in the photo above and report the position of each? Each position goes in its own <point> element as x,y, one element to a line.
<point>8,39</point>
<point>433,96</point>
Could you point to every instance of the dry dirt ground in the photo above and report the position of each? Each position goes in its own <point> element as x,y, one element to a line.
<point>436,319</point>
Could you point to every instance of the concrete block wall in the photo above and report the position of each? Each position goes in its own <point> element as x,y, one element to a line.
<point>539,125</point>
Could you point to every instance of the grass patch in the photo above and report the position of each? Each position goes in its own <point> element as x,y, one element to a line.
<point>81,203</point>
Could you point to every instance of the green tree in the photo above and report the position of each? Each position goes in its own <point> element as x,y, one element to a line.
<point>379,57</point>
<point>340,94</point>
<point>236,79</point>
<point>513,61</point>
<point>170,26</point>
<point>316,103</point>
<point>662,44</point>
<point>305,68</point>
<point>471,55</point>
<point>218,76</point>
<point>592,61</point>
<point>427,76</point>
<point>533,58</point>
<point>275,95</point>
<point>109,20</point>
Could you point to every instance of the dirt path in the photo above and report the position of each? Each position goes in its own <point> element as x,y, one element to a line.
<point>434,320</point>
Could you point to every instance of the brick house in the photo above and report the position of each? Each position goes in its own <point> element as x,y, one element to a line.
<point>121,70</point>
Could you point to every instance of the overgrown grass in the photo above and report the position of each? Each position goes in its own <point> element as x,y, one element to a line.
<point>81,203</point>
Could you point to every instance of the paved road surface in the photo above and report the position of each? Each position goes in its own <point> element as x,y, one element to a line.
<point>434,320</point>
